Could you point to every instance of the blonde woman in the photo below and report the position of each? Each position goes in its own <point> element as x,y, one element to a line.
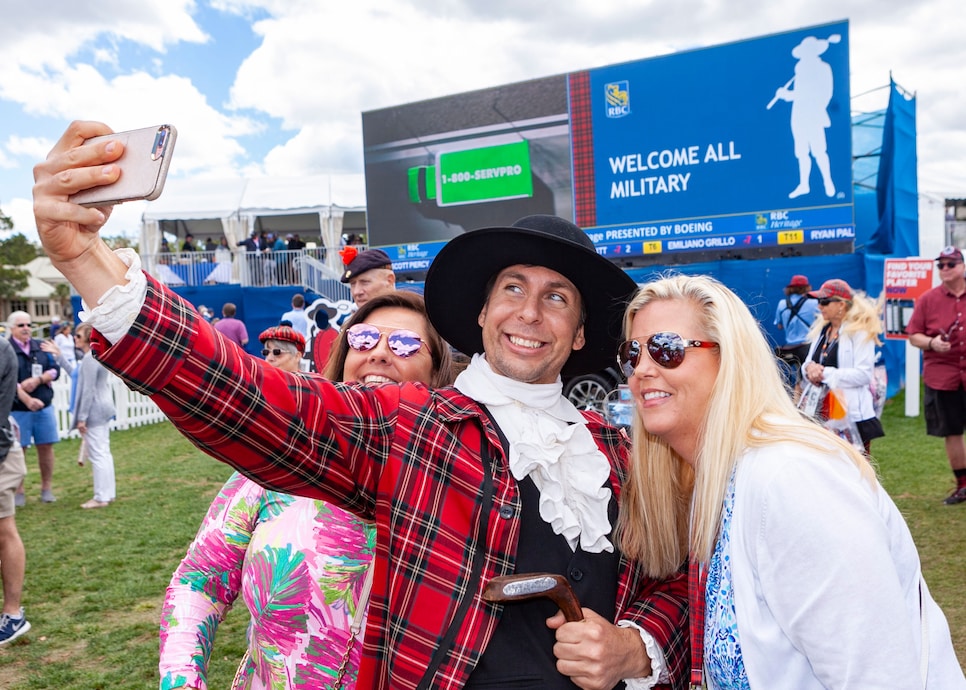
<point>806,570</point>
<point>842,354</point>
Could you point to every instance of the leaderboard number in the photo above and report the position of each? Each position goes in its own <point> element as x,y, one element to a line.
<point>791,237</point>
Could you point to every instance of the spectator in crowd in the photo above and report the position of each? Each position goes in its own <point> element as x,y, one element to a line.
<point>296,315</point>
<point>786,525</point>
<point>281,258</point>
<point>189,243</point>
<point>223,252</point>
<point>295,242</point>
<point>64,340</point>
<point>254,246</point>
<point>13,468</point>
<point>93,411</point>
<point>222,272</point>
<point>268,261</point>
<point>322,341</point>
<point>231,327</point>
<point>842,353</point>
<point>936,328</point>
<point>368,273</point>
<point>432,468</point>
<point>794,317</point>
<point>210,245</point>
<point>300,563</point>
<point>33,410</point>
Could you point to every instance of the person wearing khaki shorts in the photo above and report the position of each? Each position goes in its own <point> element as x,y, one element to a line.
<point>13,622</point>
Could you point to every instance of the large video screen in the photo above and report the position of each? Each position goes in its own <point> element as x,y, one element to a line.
<point>735,151</point>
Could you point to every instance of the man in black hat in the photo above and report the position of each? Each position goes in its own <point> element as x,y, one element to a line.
<point>498,475</point>
<point>368,273</point>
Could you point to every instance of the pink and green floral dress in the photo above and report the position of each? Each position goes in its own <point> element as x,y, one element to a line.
<point>299,565</point>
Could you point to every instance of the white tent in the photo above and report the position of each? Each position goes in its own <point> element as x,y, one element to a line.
<point>317,205</point>
<point>314,206</point>
<point>202,208</point>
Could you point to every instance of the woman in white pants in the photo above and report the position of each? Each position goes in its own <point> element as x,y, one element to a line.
<point>93,411</point>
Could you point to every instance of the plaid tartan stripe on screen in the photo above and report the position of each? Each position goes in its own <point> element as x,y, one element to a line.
<point>582,141</point>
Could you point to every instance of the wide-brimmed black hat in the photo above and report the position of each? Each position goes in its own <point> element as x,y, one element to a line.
<point>456,283</point>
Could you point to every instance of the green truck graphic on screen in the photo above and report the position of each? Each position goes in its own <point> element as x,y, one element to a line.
<point>490,173</point>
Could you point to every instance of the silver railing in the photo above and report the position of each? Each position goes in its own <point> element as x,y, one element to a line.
<point>322,280</point>
<point>236,267</point>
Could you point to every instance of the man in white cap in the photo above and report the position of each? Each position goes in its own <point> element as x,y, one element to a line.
<point>499,475</point>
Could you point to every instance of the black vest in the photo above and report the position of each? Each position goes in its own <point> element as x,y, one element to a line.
<point>25,362</point>
<point>520,654</point>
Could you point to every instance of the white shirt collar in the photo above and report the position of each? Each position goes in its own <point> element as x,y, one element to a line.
<point>550,443</point>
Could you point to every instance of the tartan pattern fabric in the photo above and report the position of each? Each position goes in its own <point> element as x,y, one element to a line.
<point>403,456</point>
<point>697,602</point>
<point>582,144</point>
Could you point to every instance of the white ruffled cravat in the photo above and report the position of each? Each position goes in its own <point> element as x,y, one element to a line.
<point>550,442</point>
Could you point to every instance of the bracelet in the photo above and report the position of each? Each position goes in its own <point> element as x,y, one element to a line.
<point>931,341</point>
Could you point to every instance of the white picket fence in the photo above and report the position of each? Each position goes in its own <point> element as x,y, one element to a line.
<point>133,409</point>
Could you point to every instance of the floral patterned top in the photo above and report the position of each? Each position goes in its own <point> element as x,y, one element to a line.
<point>725,667</point>
<point>299,565</point>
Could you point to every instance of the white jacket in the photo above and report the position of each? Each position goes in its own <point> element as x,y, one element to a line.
<point>853,375</point>
<point>827,579</point>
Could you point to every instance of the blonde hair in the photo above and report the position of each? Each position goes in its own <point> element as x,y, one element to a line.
<point>749,407</point>
<point>863,316</point>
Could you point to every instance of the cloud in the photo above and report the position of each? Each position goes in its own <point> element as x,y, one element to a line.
<point>34,148</point>
<point>45,36</point>
<point>294,104</point>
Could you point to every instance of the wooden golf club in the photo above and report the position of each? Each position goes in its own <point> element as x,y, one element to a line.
<point>531,585</point>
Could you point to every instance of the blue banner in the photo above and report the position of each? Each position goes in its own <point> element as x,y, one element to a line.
<point>713,143</point>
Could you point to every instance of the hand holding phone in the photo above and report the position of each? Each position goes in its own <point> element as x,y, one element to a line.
<point>144,167</point>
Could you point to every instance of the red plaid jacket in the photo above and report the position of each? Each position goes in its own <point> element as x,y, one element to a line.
<point>426,466</point>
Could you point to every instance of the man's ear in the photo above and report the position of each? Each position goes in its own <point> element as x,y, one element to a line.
<point>392,278</point>
<point>579,340</point>
<point>482,317</point>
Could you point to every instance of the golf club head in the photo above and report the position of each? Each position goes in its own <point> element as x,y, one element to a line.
<point>505,588</point>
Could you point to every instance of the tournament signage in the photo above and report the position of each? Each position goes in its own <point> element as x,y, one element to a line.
<point>730,149</point>
<point>905,280</point>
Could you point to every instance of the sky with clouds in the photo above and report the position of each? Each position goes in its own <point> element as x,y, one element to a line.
<point>277,87</point>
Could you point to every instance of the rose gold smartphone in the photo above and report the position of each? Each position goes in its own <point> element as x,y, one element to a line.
<point>144,167</point>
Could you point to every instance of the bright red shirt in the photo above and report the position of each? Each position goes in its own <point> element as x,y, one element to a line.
<point>321,346</point>
<point>940,312</point>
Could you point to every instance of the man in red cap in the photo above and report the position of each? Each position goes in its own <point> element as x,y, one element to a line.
<point>794,318</point>
<point>936,328</point>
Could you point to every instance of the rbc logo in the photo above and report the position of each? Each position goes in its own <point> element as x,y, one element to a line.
<point>618,98</point>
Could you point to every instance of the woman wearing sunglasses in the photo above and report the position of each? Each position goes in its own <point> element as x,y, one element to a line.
<point>803,572</point>
<point>390,339</point>
<point>842,353</point>
<point>299,564</point>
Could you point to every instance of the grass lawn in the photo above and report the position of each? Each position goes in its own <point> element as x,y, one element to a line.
<point>95,578</point>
